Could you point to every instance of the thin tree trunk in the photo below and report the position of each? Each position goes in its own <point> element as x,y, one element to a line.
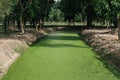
<point>12,23</point>
<point>25,21</point>
<point>5,26</point>
<point>115,22</point>
<point>119,29</point>
<point>40,24</point>
<point>107,24</point>
<point>89,22</point>
<point>33,22</point>
<point>36,26</point>
<point>30,24</point>
<point>21,24</point>
<point>18,23</point>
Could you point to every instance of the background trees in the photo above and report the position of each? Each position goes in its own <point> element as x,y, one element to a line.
<point>6,8</point>
<point>91,10</point>
<point>70,8</point>
<point>55,13</point>
<point>23,11</point>
<point>36,11</point>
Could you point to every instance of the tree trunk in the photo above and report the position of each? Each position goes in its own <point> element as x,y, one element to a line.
<point>115,22</point>
<point>5,25</point>
<point>21,24</point>
<point>119,29</point>
<point>36,26</point>
<point>89,21</point>
<point>30,24</point>
<point>107,24</point>
<point>12,20</point>
<point>33,22</point>
<point>40,24</point>
<point>22,7</point>
<point>18,23</point>
<point>25,21</point>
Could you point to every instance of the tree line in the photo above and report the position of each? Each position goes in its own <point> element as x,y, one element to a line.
<point>105,11</point>
<point>36,11</point>
<point>23,11</point>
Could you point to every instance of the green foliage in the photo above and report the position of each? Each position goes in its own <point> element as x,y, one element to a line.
<point>6,6</point>
<point>70,8</point>
<point>101,8</point>
<point>78,17</point>
<point>107,9</point>
<point>56,15</point>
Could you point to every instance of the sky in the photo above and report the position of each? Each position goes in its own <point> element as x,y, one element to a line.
<point>57,0</point>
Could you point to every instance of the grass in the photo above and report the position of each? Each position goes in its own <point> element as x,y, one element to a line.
<point>75,24</point>
<point>60,56</point>
<point>63,23</point>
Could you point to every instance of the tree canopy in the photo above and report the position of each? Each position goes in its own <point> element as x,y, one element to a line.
<point>6,7</point>
<point>36,11</point>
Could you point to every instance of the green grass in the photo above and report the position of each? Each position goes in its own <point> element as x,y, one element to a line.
<point>63,23</point>
<point>60,56</point>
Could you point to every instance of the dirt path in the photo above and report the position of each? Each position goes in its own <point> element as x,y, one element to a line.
<point>60,56</point>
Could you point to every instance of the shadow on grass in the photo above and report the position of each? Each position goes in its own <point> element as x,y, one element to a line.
<point>60,45</point>
<point>63,38</point>
<point>110,67</point>
<point>46,42</point>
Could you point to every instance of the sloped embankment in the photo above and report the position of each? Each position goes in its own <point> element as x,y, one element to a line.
<point>14,45</point>
<point>105,43</point>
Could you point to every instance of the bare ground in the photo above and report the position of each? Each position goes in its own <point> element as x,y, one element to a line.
<point>12,46</point>
<point>105,43</point>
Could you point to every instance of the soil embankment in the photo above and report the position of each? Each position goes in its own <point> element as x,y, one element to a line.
<point>105,43</point>
<point>13,45</point>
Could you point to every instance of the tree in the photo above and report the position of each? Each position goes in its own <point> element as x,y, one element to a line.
<point>45,8</point>
<point>55,13</point>
<point>6,8</point>
<point>90,14</point>
<point>70,9</point>
<point>23,5</point>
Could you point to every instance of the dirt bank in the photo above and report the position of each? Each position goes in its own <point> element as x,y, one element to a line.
<point>13,45</point>
<point>105,43</point>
